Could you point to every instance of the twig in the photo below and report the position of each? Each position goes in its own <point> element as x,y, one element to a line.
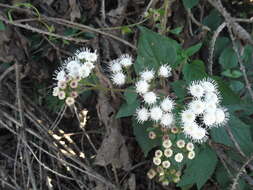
<point>28,27</point>
<point>212,45</point>
<point>240,172</point>
<point>194,20</point>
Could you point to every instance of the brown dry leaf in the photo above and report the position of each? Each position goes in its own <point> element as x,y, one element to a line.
<point>75,11</point>
<point>4,47</point>
<point>132,182</point>
<point>113,149</point>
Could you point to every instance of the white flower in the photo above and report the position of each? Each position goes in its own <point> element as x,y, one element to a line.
<point>209,85</point>
<point>197,106</point>
<point>55,91</point>
<point>180,143</point>
<point>212,97</point>
<point>190,146</point>
<point>188,116</point>
<point>87,55</point>
<point>61,76</point>
<point>84,71</point>
<point>209,118</point>
<point>151,135</point>
<point>158,153</point>
<point>115,66</point>
<point>62,84</point>
<point>73,84</point>
<point>210,107</point>
<point>167,143</point>
<point>156,113</point>
<point>196,90</point>
<point>157,161</point>
<point>167,104</point>
<point>142,87</point>
<point>179,157</point>
<point>126,60</point>
<point>189,128</point>
<point>167,119</point>
<point>221,116</point>
<point>166,164</point>
<point>164,71</point>
<point>142,115</point>
<point>199,134</point>
<point>89,65</point>
<point>168,152</point>
<point>118,78</point>
<point>73,68</point>
<point>70,101</point>
<point>150,98</point>
<point>147,75</point>
<point>191,155</point>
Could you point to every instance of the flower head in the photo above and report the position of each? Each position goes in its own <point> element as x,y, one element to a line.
<point>199,135</point>
<point>70,101</point>
<point>196,90</point>
<point>180,143</point>
<point>147,75</point>
<point>212,97</point>
<point>150,98</point>
<point>157,161</point>
<point>168,152</point>
<point>221,116</point>
<point>142,115</point>
<point>166,164</point>
<point>126,60</point>
<point>209,85</point>
<point>142,87</point>
<point>167,104</point>
<point>156,113</point>
<point>164,71</point>
<point>209,118</point>
<point>197,106</point>
<point>188,116</point>
<point>118,78</point>
<point>167,119</point>
<point>167,144</point>
<point>190,146</point>
<point>60,75</point>
<point>115,66</point>
<point>158,153</point>
<point>191,155</point>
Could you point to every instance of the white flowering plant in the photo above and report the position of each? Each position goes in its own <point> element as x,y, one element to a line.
<point>177,110</point>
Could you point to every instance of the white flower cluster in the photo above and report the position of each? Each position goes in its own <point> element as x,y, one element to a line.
<point>116,68</point>
<point>71,73</point>
<point>204,111</point>
<point>155,108</point>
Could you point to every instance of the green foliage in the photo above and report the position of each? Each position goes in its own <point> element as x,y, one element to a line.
<point>200,169</point>
<point>213,20</point>
<point>193,49</point>
<point>228,58</point>
<point>190,3</point>
<point>141,134</point>
<point>179,87</point>
<point>154,50</point>
<point>194,71</point>
<point>129,107</point>
<point>241,132</point>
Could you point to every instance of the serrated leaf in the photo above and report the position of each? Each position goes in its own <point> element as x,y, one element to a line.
<point>190,3</point>
<point>241,132</point>
<point>200,169</point>
<point>141,134</point>
<point>193,49</point>
<point>179,87</point>
<point>228,58</point>
<point>130,95</point>
<point>154,50</point>
<point>127,110</point>
<point>194,71</point>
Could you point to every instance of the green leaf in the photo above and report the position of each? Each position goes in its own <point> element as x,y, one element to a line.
<point>200,169</point>
<point>241,132</point>
<point>193,49</point>
<point>232,73</point>
<point>130,95</point>
<point>154,50</point>
<point>228,96</point>
<point>2,25</point>
<point>220,45</point>
<point>194,71</point>
<point>213,20</point>
<point>179,87</point>
<point>126,30</point>
<point>141,134</point>
<point>228,58</point>
<point>236,86</point>
<point>177,30</point>
<point>127,110</point>
<point>190,3</point>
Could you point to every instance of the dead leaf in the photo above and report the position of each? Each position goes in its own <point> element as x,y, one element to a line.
<point>113,149</point>
<point>132,182</point>
<point>75,11</point>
